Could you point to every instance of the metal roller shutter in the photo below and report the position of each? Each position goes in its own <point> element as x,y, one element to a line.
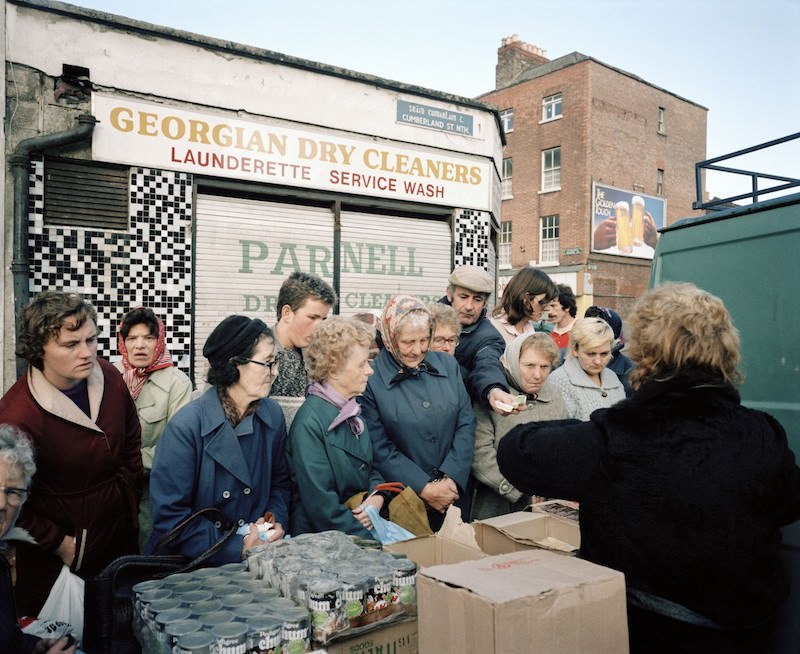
<point>382,256</point>
<point>244,249</point>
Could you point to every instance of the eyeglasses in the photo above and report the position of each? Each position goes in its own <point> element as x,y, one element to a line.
<point>15,496</point>
<point>272,364</point>
<point>441,340</point>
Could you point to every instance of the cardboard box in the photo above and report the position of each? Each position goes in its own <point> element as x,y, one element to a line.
<point>529,601</point>
<point>398,638</point>
<point>524,530</point>
<point>453,543</point>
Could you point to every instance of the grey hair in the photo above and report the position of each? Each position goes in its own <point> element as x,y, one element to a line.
<point>16,449</point>
<point>416,319</point>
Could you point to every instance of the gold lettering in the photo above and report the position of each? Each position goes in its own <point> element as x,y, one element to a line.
<point>369,158</point>
<point>147,124</point>
<point>122,119</point>
<point>170,123</point>
<point>198,131</point>
<point>221,135</point>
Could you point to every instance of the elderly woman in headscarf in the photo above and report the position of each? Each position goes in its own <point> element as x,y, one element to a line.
<point>528,360</point>
<point>418,412</point>
<point>157,387</point>
<point>226,449</point>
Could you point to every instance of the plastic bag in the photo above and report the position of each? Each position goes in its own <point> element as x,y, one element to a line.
<point>385,531</point>
<point>65,602</point>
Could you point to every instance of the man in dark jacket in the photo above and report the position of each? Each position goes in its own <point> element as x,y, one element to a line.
<point>480,345</point>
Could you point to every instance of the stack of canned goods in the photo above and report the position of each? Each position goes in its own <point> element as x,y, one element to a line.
<point>344,586</point>
<point>284,597</point>
<point>222,615</point>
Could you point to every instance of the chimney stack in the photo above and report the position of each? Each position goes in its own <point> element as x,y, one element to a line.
<point>515,57</point>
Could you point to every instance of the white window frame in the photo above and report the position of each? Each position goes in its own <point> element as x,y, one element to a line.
<point>549,228</point>
<point>551,173</point>
<point>550,105</point>
<point>507,120</point>
<point>506,187</point>
<point>662,120</point>
<point>659,182</point>
<point>504,245</point>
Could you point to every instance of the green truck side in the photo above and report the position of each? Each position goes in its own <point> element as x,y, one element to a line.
<point>750,257</point>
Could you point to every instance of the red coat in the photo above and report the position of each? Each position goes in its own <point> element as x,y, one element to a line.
<point>88,480</point>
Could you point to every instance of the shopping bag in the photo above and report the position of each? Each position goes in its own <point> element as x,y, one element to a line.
<point>65,602</point>
<point>109,608</point>
<point>408,510</point>
<point>385,531</point>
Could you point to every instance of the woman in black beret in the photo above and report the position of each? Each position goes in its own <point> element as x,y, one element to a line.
<point>226,449</point>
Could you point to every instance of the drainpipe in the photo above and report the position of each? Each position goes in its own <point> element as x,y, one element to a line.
<point>20,162</point>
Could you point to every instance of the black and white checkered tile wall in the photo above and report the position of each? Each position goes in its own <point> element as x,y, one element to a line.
<point>471,247</point>
<point>148,265</point>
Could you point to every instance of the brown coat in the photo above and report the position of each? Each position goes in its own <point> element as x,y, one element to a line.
<point>88,480</point>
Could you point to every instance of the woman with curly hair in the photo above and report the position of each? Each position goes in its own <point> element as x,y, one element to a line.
<point>84,500</point>
<point>680,486</point>
<point>330,452</point>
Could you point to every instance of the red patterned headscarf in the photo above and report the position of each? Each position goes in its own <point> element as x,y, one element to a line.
<point>134,377</point>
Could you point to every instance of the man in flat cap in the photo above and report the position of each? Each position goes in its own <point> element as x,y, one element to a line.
<point>481,345</point>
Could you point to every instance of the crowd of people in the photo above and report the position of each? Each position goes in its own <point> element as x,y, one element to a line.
<point>318,423</point>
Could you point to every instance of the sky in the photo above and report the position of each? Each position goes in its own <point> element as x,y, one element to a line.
<point>738,58</point>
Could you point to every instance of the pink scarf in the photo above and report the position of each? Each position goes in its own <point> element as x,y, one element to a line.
<point>134,377</point>
<point>349,410</point>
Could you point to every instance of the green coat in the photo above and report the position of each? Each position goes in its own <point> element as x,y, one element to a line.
<point>327,469</point>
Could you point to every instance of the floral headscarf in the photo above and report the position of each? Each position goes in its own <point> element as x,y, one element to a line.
<point>396,309</point>
<point>134,377</point>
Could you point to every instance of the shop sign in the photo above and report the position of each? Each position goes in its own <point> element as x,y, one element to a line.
<point>148,134</point>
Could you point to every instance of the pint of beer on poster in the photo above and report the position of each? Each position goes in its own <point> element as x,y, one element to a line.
<point>637,219</point>
<point>624,235</point>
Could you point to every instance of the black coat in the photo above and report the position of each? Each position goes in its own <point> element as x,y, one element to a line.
<point>11,637</point>
<point>680,487</point>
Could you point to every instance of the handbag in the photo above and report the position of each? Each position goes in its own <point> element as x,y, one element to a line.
<point>408,510</point>
<point>108,624</point>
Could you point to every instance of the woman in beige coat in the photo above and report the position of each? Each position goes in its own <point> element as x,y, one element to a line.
<point>528,360</point>
<point>157,387</point>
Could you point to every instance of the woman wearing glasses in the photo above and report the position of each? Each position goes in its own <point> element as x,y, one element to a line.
<point>225,449</point>
<point>445,328</point>
<point>524,300</point>
<point>16,469</point>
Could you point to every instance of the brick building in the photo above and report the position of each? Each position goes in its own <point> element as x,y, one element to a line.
<point>586,141</point>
